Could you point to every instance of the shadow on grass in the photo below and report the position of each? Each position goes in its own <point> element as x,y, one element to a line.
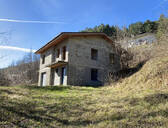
<point>127,72</point>
<point>49,88</point>
<point>22,111</point>
<point>144,118</point>
<point>27,110</point>
<point>12,92</point>
<point>69,112</point>
<point>138,67</point>
<point>163,113</point>
<point>6,91</point>
<point>61,88</point>
<point>93,86</point>
<point>154,99</point>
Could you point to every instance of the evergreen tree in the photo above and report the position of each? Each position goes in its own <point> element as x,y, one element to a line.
<point>150,27</point>
<point>136,28</point>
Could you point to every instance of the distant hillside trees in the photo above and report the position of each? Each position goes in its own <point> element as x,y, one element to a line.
<point>24,71</point>
<point>115,32</point>
<point>150,26</point>
<point>160,28</point>
<point>109,30</point>
<point>4,78</point>
<point>136,28</point>
<point>146,27</point>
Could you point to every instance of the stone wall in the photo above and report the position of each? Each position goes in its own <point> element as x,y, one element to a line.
<point>80,62</point>
<point>50,57</point>
<point>43,68</point>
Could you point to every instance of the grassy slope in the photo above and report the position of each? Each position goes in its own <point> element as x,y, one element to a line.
<point>140,100</point>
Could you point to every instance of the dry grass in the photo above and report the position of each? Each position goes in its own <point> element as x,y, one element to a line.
<point>140,100</point>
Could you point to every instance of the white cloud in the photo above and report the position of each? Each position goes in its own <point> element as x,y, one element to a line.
<point>16,49</point>
<point>31,21</point>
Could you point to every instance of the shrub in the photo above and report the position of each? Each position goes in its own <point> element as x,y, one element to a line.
<point>4,81</point>
<point>162,31</point>
<point>125,56</point>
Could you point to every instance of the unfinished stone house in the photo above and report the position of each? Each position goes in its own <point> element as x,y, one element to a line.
<point>76,58</point>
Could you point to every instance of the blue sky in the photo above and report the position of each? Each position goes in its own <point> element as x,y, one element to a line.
<point>32,23</point>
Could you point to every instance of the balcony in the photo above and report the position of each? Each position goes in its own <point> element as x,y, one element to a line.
<point>57,64</point>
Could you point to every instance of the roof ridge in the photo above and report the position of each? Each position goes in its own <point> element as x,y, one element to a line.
<point>65,34</point>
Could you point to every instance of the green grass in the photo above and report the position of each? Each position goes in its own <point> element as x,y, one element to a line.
<point>37,107</point>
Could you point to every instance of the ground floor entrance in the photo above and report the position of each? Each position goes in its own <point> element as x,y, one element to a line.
<point>43,79</point>
<point>60,76</point>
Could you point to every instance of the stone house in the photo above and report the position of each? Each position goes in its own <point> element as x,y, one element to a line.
<point>77,58</point>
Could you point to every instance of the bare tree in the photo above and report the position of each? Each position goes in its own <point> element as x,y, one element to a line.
<point>24,71</point>
<point>3,76</point>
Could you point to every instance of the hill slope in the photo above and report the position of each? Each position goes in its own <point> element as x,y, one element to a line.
<point>140,100</point>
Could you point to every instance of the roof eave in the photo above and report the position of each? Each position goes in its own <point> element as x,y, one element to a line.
<point>65,35</point>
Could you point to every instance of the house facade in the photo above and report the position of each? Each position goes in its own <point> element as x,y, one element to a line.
<point>75,58</point>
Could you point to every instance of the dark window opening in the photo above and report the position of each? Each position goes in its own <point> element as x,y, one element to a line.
<point>64,52</point>
<point>58,53</point>
<point>56,70</point>
<point>112,58</point>
<point>94,54</point>
<point>94,74</point>
<point>43,59</point>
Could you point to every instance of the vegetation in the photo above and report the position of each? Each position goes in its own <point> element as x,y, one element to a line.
<point>159,27</point>
<point>4,79</point>
<point>24,71</point>
<point>134,29</point>
<point>163,27</point>
<point>139,100</point>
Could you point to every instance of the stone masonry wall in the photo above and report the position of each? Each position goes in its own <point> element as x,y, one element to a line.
<point>50,57</point>
<point>80,62</point>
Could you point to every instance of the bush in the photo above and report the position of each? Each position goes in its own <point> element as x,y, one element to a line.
<point>4,81</point>
<point>162,31</point>
<point>125,56</point>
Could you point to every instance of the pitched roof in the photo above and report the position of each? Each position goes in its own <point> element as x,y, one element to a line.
<point>64,35</point>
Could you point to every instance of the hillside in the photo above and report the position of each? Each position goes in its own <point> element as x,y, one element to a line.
<point>24,71</point>
<point>141,39</point>
<point>140,100</point>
